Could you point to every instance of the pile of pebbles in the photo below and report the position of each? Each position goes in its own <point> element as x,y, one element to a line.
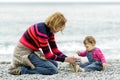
<point>112,72</point>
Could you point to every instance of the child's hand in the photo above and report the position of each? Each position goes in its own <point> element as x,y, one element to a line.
<point>78,52</point>
<point>104,65</point>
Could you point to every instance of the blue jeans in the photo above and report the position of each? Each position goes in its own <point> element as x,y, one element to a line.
<point>45,67</point>
<point>93,66</point>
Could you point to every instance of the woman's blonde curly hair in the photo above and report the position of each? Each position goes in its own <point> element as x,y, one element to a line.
<point>56,20</point>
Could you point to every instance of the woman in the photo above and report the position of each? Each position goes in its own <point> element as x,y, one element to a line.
<point>37,52</point>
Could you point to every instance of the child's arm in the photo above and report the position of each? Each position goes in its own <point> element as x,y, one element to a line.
<point>83,54</point>
<point>100,55</point>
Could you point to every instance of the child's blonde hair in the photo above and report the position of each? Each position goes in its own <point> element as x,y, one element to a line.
<point>90,39</point>
<point>56,20</point>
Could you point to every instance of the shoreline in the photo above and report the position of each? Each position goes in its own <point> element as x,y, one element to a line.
<point>110,73</point>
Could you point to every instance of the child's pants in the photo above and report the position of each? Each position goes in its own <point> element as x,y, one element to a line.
<point>94,66</point>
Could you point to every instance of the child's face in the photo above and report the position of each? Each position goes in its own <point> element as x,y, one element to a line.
<point>89,46</point>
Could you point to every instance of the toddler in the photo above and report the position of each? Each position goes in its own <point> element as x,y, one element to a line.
<point>96,59</point>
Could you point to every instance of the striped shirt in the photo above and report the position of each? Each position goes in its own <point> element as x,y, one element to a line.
<point>39,36</point>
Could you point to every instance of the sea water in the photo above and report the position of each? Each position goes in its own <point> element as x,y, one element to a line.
<point>102,21</point>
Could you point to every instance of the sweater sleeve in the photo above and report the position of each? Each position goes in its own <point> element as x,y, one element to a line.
<point>54,47</point>
<point>83,54</point>
<point>45,41</point>
<point>100,55</point>
<point>49,55</point>
<point>47,52</point>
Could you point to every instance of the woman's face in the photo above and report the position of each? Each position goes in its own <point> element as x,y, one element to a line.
<point>88,46</point>
<point>57,29</point>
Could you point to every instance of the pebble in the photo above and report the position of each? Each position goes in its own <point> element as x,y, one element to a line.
<point>110,73</point>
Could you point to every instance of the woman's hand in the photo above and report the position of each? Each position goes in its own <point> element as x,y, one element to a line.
<point>78,52</point>
<point>70,59</point>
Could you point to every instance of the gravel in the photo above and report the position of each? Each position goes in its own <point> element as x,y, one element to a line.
<point>112,72</point>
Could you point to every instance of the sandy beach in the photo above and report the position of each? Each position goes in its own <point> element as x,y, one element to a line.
<point>110,73</point>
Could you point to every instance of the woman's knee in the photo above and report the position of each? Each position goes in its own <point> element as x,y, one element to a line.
<point>53,71</point>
